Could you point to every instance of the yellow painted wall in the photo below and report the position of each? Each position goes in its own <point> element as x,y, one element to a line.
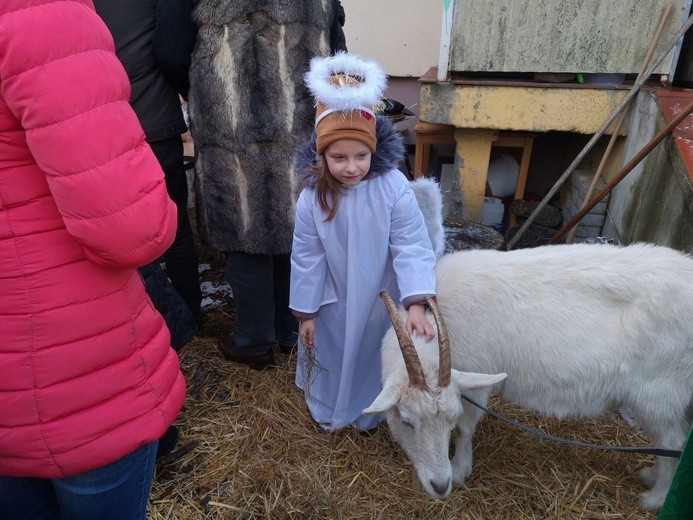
<point>533,109</point>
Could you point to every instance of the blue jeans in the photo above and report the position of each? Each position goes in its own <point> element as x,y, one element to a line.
<point>116,491</point>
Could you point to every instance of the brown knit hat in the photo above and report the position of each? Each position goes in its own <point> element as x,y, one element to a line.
<point>346,88</point>
<point>332,125</point>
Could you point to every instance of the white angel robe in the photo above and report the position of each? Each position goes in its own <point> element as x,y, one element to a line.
<point>377,240</point>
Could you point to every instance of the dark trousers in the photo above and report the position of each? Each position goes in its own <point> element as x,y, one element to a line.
<point>260,285</point>
<point>181,258</point>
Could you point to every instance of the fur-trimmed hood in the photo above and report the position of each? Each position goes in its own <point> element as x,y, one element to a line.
<point>388,154</point>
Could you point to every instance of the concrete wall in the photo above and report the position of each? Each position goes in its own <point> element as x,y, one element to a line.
<point>654,202</point>
<point>597,36</point>
<point>402,35</point>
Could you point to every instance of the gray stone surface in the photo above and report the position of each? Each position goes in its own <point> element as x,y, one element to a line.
<point>579,183</point>
<point>533,236</point>
<point>590,219</point>
<point>548,216</point>
<point>463,235</point>
<point>588,231</point>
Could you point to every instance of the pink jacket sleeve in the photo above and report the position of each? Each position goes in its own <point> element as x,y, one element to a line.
<point>61,79</point>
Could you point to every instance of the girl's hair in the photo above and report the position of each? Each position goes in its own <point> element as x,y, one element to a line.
<point>327,188</point>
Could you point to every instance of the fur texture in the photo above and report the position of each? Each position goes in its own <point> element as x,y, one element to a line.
<point>430,201</point>
<point>387,156</point>
<point>578,329</point>
<point>370,91</point>
<point>250,111</point>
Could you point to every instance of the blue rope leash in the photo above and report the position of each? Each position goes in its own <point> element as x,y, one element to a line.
<point>630,449</point>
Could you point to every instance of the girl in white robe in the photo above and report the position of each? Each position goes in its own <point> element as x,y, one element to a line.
<point>366,234</point>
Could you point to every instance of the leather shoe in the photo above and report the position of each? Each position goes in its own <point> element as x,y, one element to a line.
<point>228,349</point>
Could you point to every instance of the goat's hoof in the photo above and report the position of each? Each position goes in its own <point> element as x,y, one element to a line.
<point>647,475</point>
<point>652,500</point>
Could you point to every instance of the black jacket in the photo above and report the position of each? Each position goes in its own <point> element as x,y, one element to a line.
<point>174,40</point>
<point>337,38</point>
<point>155,101</point>
<point>178,316</point>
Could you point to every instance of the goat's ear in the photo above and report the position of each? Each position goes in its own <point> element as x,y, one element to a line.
<point>472,380</point>
<point>388,397</point>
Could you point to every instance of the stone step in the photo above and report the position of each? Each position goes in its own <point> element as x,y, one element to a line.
<point>590,219</point>
<point>549,215</point>
<point>579,183</point>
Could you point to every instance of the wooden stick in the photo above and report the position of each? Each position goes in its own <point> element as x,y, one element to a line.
<point>631,94</point>
<point>625,171</point>
<point>617,128</point>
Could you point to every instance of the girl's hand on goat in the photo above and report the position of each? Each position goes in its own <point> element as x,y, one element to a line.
<point>417,322</point>
<point>306,330</point>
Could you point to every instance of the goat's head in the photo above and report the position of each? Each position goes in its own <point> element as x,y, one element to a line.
<point>422,415</point>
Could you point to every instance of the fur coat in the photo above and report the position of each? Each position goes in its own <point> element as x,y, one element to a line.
<point>250,111</point>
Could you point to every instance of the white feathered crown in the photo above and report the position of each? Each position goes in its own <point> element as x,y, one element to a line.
<point>366,93</point>
<point>346,87</point>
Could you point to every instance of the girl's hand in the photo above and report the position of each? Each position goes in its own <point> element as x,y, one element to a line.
<point>306,331</point>
<point>416,321</point>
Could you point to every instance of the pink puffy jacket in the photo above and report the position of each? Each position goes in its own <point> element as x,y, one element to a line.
<point>86,371</point>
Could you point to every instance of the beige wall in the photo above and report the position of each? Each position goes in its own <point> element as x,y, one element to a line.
<point>402,35</point>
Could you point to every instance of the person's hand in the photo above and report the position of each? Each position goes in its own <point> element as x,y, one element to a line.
<point>306,331</point>
<point>417,322</point>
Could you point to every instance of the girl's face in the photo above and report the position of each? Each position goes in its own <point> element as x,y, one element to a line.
<point>348,161</point>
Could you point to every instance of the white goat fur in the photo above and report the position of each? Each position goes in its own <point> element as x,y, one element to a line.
<point>579,330</point>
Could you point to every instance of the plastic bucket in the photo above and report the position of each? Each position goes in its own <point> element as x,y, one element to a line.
<point>502,176</point>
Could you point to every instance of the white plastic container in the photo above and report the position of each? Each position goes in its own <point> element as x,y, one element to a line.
<point>493,211</point>
<point>502,175</point>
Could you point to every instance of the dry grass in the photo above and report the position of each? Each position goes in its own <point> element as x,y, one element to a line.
<point>249,450</point>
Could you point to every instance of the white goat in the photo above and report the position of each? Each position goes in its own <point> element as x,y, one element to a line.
<point>579,330</point>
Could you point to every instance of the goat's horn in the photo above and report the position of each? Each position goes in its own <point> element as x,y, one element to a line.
<point>411,358</point>
<point>444,361</point>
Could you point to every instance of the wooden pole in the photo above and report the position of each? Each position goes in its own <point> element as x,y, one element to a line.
<point>631,94</point>
<point>625,171</point>
<point>622,117</point>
